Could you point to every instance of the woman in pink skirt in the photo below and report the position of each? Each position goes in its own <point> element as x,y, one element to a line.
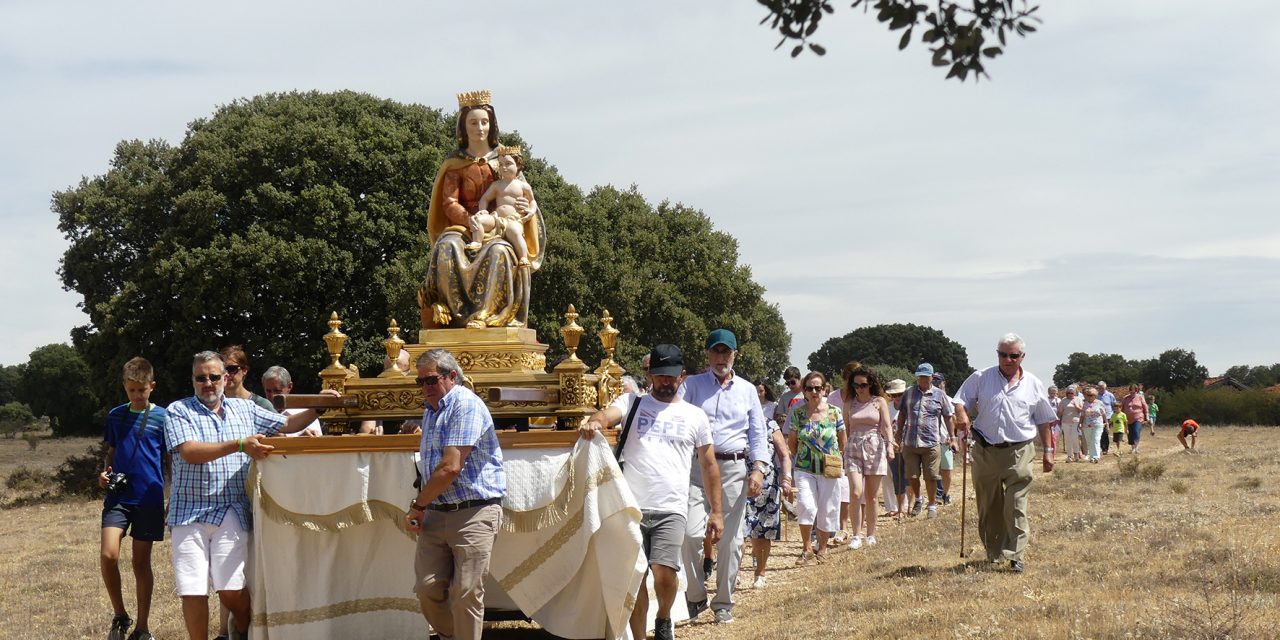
<point>868,450</point>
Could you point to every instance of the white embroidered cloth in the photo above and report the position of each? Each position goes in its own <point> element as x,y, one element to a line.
<point>331,559</point>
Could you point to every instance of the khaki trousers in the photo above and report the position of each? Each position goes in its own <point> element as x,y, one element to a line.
<point>1001,484</point>
<point>452,558</point>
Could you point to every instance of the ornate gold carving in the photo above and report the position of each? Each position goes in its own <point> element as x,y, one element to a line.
<point>468,99</point>
<point>391,400</point>
<point>576,392</point>
<point>500,360</point>
<point>504,150</point>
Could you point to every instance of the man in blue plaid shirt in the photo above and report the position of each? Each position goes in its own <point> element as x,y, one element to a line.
<point>458,510</point>
<point>211,439</point>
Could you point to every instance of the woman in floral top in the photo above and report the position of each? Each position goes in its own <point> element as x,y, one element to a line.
<point>817,428</point>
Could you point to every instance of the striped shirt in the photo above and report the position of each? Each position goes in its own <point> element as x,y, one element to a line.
<point>923,416</point>
<point>204,493</point>
<point>463,420</point>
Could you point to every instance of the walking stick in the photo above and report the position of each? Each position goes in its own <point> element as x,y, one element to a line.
<point>964,472</point>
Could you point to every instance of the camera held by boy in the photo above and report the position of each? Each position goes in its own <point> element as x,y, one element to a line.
<point>134,479</point>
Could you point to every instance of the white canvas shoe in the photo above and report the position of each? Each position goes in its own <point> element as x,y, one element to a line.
<point>856,542</point>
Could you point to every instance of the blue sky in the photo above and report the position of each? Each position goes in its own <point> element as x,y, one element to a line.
<point>1112,189</point>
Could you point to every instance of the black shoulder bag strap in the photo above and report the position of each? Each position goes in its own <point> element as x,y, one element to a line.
<point>626,429</point>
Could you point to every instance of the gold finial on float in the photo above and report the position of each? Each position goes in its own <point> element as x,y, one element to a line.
<point>572,332</point>
<point>393,345</point>
<point>469,99</point>
<point>335,375</point>
<point>335,340</point>
<point>608,336</point>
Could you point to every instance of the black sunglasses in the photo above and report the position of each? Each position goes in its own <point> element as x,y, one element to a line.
<point>431,380</point>
<point>1010,356</point>
<point>213,377</point>
<point>235,368</point>
<point>813,388</point>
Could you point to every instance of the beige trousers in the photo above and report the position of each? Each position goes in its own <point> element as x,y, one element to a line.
<point>1001,484</point>
<point>452,558</point>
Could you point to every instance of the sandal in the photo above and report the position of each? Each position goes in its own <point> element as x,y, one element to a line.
<point>804,559</point>
<point>821,557</point>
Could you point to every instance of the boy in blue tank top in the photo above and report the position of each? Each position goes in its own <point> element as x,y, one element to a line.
<point>134,481</point>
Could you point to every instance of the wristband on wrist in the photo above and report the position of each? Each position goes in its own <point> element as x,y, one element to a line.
<point>414,506</point>
<point>241,443</point>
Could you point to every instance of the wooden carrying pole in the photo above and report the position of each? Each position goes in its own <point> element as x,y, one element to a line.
<point>964,472</point>
<point>314,401</point>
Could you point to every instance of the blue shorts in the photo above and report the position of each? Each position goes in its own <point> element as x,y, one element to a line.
<point>146,523</point>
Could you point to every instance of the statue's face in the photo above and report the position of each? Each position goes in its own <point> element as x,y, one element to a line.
<point>507,168</point>
<point>477,124</point>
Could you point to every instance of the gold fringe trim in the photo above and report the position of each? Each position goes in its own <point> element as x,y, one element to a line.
<point>548,549</point>
<point>336,610</point>
<point>547,516</point>
<point>354,515</point>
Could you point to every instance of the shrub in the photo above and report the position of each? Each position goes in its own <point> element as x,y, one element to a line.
<point>1128,467</point>
<point>28,479</point>
<point>1179,487</point>
<point>1251,482</point>
<point>78,475</point>
<point>32,438</point>
<point>1150,470</point>
<point>1220,406</point>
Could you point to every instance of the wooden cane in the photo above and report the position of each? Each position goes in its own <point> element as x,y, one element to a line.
<point>964,472</point>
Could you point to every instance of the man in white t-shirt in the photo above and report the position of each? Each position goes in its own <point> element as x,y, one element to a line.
<point>657,456</point>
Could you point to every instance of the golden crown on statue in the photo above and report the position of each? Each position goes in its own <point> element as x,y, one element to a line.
<point>469,99</point>
<point>504,150</point>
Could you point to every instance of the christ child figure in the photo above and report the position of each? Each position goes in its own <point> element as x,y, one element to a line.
<point>498,205</point>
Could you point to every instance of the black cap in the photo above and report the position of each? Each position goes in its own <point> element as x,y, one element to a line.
<point>666,360</point>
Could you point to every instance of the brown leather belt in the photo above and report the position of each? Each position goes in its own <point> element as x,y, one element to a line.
<point>740,455</point>
<point>465,504</point>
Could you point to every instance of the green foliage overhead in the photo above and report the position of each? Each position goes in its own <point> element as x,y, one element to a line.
<point>281,208</point>
<point>56,383</point>
<point>959,35</point>
<point>899,345</point>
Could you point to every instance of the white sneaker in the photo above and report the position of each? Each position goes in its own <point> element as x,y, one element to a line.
<point>856,542</point>
<point>931,512</point>
<point>871,541</point>
<point>759,583</point>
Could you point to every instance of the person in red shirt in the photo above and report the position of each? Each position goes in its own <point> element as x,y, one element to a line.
<point>1189,430</point>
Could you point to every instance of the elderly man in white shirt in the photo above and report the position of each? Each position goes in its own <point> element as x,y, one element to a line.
<point>1011,406</point>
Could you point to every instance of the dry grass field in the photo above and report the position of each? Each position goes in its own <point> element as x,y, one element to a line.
<point>1182,546</point>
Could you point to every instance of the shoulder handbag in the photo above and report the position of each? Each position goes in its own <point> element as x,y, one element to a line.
<point>832,464</point>
<point>626,429</point>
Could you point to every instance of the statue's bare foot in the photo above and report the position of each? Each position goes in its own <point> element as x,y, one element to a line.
<point>524,262</point>
<point>472,246</point>
<point>475,324</point>
<point>515,323</point>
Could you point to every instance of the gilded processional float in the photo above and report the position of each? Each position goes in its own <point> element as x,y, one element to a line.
<point>332,557</point>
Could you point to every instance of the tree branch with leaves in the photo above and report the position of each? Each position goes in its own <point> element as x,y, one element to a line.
<point>959,36</point>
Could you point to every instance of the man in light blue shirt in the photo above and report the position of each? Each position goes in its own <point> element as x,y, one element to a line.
<point>458,510</point>
<point>1011,405</point>
<point>741,451</point>
<point>212,438</point>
